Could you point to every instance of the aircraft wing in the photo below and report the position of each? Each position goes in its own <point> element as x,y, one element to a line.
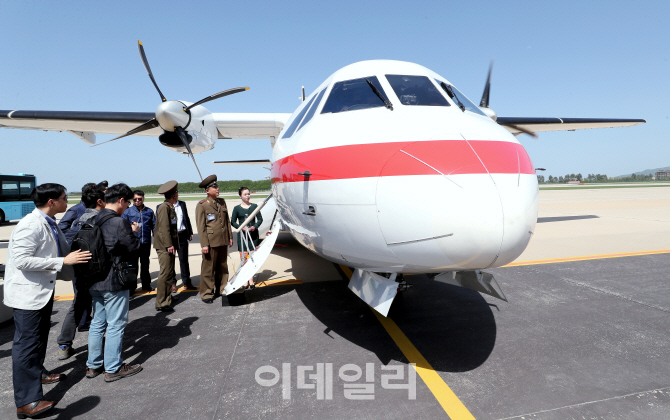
<point>518,125</point>
<point>249,126</point>
<point>84,124</point>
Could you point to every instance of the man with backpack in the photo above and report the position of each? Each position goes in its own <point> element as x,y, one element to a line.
<point>93,198</point>
<point>111,293</point>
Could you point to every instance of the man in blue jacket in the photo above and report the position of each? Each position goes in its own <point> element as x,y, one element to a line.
<point>146,219</point>
<point>75,212</point>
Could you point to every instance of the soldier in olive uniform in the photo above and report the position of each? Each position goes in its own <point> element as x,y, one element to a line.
<point>215,234</point>
<point>166,240</point>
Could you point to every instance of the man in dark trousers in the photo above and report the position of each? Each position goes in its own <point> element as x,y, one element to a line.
<point>185,233</point>
<point>80,311</point>
<point>215,233</point>
<point>166,241</point>
<point>37,256</point>
<point>146,219</point>
<point>74,212</point>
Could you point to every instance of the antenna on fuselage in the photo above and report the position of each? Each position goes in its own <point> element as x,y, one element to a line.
<point>302,97</point>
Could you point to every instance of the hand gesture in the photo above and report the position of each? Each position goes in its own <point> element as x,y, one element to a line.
<point>76,257</point>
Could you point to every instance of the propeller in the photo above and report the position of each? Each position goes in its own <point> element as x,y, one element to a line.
<point>182,135</point>
<point>523,131</point>
<point>143,56</point>
<point>172,116</point>
<point>487,89</point>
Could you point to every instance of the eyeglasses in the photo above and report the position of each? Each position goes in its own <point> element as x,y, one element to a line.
<point>138,199</point>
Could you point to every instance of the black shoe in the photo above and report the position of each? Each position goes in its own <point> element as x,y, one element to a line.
<point>208,300</point>
<point>165,309</point>
<point>84,328</point>
<point>148,289</point>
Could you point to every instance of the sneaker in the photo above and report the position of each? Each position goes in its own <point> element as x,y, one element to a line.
<point>92,373</point>
<point>64,352</point>
<point>124,370</point>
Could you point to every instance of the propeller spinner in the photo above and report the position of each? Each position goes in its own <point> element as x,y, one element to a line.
<point>172,116</point>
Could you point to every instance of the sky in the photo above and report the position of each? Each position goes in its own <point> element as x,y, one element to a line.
<point>604,59</point>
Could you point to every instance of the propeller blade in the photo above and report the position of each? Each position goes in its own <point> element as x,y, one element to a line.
<point>182,135</point>
<point>487,89</point>
<point>152,123</point>
<point>523,130</point>
<point>148,69</point>
<point>217,96</point>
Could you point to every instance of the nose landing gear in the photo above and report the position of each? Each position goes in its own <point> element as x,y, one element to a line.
<point>403,284</point>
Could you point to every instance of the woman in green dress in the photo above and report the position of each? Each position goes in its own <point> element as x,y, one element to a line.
<point>240,213</point>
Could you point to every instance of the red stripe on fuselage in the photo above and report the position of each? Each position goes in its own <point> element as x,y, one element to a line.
<point>449,157</point>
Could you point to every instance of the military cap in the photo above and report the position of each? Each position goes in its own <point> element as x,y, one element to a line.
<point>169,186</point>
<point>207,182</point>
<point>103,184</point>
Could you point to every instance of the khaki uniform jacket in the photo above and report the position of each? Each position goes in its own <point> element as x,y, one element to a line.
<point>213,222</point>
<point>165,233</point>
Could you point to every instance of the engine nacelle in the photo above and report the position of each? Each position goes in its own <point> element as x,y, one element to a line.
<point>198,123</point>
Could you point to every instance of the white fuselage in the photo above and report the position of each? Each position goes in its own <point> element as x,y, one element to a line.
<point>416,189</point>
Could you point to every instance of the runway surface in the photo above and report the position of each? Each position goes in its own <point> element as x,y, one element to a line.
<point>577,339</point>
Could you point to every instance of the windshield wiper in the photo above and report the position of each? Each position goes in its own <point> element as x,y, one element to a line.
<point>387,103</point>
<point>452,95</point>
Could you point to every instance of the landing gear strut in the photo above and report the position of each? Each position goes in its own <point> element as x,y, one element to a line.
<point>403,285</point>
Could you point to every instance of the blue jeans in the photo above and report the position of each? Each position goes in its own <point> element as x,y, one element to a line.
<point>111,316</point>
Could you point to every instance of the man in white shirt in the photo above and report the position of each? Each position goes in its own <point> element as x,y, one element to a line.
<point>37,256</point>
<point>185,232</point>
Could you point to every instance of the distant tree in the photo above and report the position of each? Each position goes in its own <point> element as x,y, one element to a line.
<point>540,179</point>
<point>578,177</point>
<point>560,180</point>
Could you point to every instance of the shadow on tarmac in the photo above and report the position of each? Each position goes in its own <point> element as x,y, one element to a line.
<point>452,327</point>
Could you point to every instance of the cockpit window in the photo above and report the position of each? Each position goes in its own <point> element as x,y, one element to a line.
<point>289,132</point>
<point>355,94</point>
<point>469,106</point>
<point>312,109</point>
<point>416,90</point>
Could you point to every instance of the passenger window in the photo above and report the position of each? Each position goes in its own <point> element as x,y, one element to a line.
<point>352,95</point>
<point>312,110</point>
<point>289,132</point>
<point>416,90</point>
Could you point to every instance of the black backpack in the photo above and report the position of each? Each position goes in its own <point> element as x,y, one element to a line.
<point>89,238</point>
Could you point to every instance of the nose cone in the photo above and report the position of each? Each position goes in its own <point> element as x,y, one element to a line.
<point>438,208</point>
<point>170,114</point>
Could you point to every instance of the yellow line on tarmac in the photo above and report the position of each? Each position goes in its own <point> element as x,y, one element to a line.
<point>587,257</point>
<point>140,292</point>
<point>444,395</point>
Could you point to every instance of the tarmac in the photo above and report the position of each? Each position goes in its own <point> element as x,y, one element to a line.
<point>582,336</point>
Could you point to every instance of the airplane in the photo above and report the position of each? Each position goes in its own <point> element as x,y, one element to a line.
<point>386,167</point>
